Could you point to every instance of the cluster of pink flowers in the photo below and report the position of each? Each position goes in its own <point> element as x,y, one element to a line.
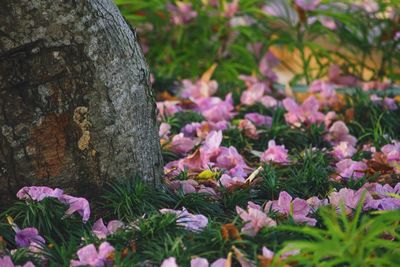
<point>382,197</point>
<point>375,196</point>
<point>200,143</point>
<point>275,153</point>
<point>348,168</point>
<point>255,219</point>
<point>211,154</point>
<point>306,113</point>
<point>298,209</point>
<point>347,198</point>
<point>257,90</point>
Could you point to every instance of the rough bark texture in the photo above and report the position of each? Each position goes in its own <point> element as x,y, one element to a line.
<point>76,107</point>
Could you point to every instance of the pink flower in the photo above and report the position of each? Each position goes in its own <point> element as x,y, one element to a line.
<point>187,186</point>
<point>207,190</point>
<point>339,132</point>
<point>253,94</point>
<point>190,130</point>
<point>195,162</point>
<point>390,103</point>
<point>199,262</point>
<point>343,150</point>
<point>228,181</point>
<point>101,231</point>
<point>348,197</point>
<point>181,144</point>
<point>191,222</point>
<point>230,9</point>
<point>369,148</point>
<point>372,85</point>
<point>258,119</point>
<point>269,254</point>
<point>389,203</point>
<point>314,203</point>
<point>202,157</point>
<point>329,117</point>
<point>327,92</point>
<point>202,262</point>
<point>221,262</point>
<point>216,110</point>
<point>322,86</point>
<point>89,256</point>
<point>382,197</point>
<point>269,101</point>
<point>255,219</point>
<point>306,113</point>
<point>375,98</point>
<point>298,209</point>
<point>229,158</point>
<point>249,81</point>
<point>199,89</point>
<point>383,190</point>
<point>38,193</point>
<point>169,262</point>
<point>77,204</point>
<point>335,76</point>
<point>348,168</point>
<point>27,236</point>
<point>397,36</point>
<point>7,262</point>
<point>164,130</point>
<point>307,5</point>
<point>168,108</point>
<point>274,153</point>
<point>213,141</point>
<point>267,63</point>
<point>369,6</point>
<point>181,13</point>
<point>249,129</point>
<point>392,151</point>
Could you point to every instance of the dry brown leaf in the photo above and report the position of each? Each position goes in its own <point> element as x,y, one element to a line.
<point>206,77</point>
<point>241,258</point>
<point>230,232</point>
<point>349,114</point>
<point>253,175</point>
<point>228,262</point>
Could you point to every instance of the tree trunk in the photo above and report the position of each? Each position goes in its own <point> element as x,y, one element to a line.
<point>76,106</point>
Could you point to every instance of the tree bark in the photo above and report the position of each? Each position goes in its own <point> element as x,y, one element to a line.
<point>76,105</point>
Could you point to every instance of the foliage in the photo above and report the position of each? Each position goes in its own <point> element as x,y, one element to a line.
<point>360,241</point>
<point>185,50</point>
